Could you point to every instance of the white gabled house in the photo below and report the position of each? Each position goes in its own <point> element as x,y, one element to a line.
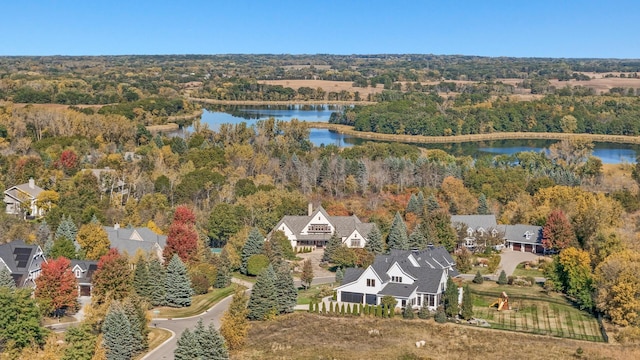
<point>317,227</point>
<point>476,228</point>
<point>22,199</point>
<point>412,277</point>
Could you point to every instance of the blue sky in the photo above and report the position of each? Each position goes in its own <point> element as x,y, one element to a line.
<point>522,28</point>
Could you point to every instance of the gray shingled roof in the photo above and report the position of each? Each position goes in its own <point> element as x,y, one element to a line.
<point>88,268</point>
<point>33,192</point>
<point>476,221</point>
<point>121,239</point>
<point>21,259</point>
<point>398,290</point>
<point>516,233</point>
<point>351,275</point>
<point>344,225</point>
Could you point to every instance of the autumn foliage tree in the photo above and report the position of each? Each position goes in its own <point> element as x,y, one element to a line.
<point>182,238</point>
<point>93,240</point>
<point>113,278</point>
<point>68,162</point>
<point>56,287</point>
<point>557,233</point>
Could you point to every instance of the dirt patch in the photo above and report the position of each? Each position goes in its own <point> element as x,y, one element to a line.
<point>599,84</point>
<point>316,258</point>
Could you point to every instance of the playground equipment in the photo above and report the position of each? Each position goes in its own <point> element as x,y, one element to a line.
<point>502,302</point>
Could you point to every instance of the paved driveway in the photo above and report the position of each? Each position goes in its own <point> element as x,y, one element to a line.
<point>510,259</point>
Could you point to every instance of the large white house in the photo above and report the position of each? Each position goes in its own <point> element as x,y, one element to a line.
<point>317,227</point>
<point>412,277</point>
<point>483,228</point>
<point>22,199</point>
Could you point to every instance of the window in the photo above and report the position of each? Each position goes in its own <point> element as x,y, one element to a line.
<point>404,303</point>
<point>355,242</point>
<point>371,282</point>
<point>321,228</point>
<point>527,235</point>
<point>78,273</point>
<point>397,279</point>
<point>432,300</point>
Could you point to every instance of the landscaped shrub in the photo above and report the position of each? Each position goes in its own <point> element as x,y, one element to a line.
<point>511,279</point>
<point>256,264</point>
<point>408,313</point>
<point>478,279</point>
<point>531,280</point>
<point>502,279</point>
<point>200,284</point>
<point>324,308</point>
<point>440,316</point>
<point>424,312</point>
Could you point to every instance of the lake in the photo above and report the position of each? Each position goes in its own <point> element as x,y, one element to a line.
<point>213,116</point>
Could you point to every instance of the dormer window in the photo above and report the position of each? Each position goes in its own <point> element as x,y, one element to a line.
<point>396,279</point>
<point>481,231</point>
<point>527,235</point>
<point>78,273</point>
<point>469,231</point>
<point>494,232</point>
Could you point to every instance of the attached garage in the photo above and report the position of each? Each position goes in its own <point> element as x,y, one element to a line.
<point>371,299</point>
<point>85,290</point>
<point>517,247</point>
<point>351,297</point>
<point>528,248</point>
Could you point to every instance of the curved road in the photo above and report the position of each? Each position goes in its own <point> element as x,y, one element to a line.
<point>214,314</point>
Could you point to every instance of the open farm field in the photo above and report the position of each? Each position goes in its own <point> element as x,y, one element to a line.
<point>309,336</point>
<point>599,84</point>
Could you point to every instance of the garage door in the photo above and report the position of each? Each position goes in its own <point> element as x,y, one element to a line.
<point>371,299</point>
<point>517,246</point>
<point>528,247</point>
<point>85,290</point>
<point>351,297</point>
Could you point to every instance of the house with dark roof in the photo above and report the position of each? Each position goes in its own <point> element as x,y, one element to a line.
<point>83,271</point>
<point>130,240</point>
<point>483,228</point>
<point>22,199</point>
<point>23,262</point>
<point>317,227</point>
<point>414,278</point>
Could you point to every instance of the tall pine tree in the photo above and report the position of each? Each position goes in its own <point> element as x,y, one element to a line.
<point>334,243</point>
<point>223,275</point>
<point>483,206</point>
<point>374,241</point>
<point>6,280</point>
<point>178,284</point>
<point>252,246</point>
<point>420,200</point>
<point>210,342</point>
<point>412,206</point>
<point>417,240</point>
<point>116,329</point>
<point>135,310</point>
<point>451,305</point>
<point>432,203</point>
<point>43,234</point>
<point>467,303</point>
<point>157,283</point>
<point>67,229</point>
<point>263,302</point>
<point>286,293</point>
<point>398,238</point>
<point>141,281</point>
<point>188,347</point>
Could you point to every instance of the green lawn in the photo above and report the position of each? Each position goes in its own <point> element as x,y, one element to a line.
<point>534,311</point>
<point>521,271</point>
<point>314,293</point>
<point>199,304</point>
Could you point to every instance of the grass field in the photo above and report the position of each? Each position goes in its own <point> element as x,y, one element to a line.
<point>521,271</point>
<point>199,304</point>
<point>305,296</point>
<point>533,311</point>
<point>310,336</point>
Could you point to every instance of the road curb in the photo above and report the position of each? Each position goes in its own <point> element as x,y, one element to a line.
<point>173,334</point>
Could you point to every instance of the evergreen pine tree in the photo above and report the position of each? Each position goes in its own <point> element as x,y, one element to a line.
<point>48,247</point>
<point>424,312</point>
<point>67,229</point>
<point>398,238</point>
<point>334,243</point>
<point>286,292</point>
<point>178,284</point>
<point>263,302</point>
<point>331,310</point>
<point>135,310</point>
<point>63,247</point>
<point>116,329</point>
<point>324,308</point>
<point>141,281</point>
<point>441,316</point>
<point>342,309</point>
<point>374,241</point>
<point>187,347</point>
<point>252,246</point>
<point>483,207</point>
<point>323,172</point>
<point>420,201</point>
<point>6,280</point>
<point>417,240</point>
<point>432,203</point>
<point>223,275</point>
<point>210,342</point>
<point>379,311</point>
<point>453,208</point>
<point>392,311</point>
<point>412,205</point>
<point>339,275</point>
<point>502,279</point>
<point>43,234</point>
<point>478,279</point>
<point>157,283</point>
<point>467,304</point>
<point>407,313</point>
<point>451,305</point>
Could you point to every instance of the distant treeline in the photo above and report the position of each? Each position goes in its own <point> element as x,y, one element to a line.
<point>432,115</point>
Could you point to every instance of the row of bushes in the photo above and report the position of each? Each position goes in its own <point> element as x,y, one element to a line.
<point>305,249</point>
<point>381,311</point>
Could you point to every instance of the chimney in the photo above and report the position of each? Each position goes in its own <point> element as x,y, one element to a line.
<point>32,183</point>
<point>116,226</point>
<point>310,209</point>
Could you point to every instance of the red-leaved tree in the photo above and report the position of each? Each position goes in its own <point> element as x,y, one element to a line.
<point>182,238</point>
<point>57,287</point>
<point>557,233</point>
<point>113,278</point>
<point>68,161</point>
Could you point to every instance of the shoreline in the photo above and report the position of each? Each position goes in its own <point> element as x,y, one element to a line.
<point>265,102</point>
<point>348,130</point>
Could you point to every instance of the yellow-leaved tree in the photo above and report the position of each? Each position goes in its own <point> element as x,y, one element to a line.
<point>234,324</point>
<point>93,240</point>
<point>618,287</point>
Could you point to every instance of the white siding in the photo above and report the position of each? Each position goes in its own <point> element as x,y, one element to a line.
<point>355,235</point>
<point>317,219</point>
<point>360,286</point>
<point>289,234</point>
<point>396,271</point>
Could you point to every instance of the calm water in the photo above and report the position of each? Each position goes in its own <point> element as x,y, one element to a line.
<point>609,153</point>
